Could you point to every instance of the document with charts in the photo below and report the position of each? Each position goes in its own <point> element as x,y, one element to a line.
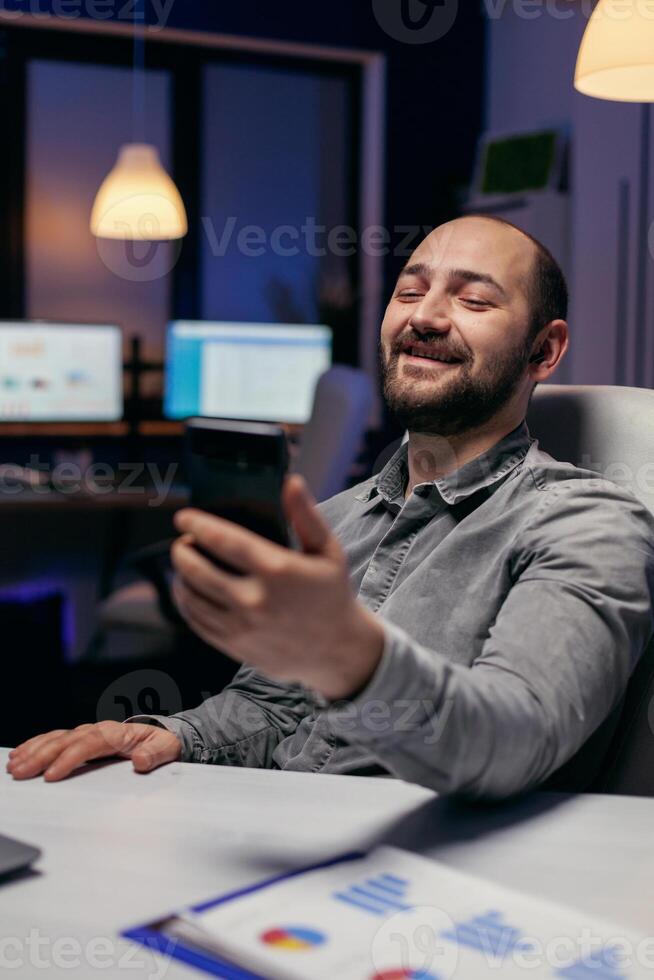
<point>392,915</point>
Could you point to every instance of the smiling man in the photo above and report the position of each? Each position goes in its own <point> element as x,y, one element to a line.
<point>467,618</point>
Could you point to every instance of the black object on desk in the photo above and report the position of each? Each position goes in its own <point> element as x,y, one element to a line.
<point>15,855</point>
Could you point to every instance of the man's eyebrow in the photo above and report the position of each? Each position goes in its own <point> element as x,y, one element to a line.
<point>470,275</point>
<point>417,269</point>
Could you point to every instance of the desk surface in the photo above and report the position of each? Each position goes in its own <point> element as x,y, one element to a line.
<point>121,849</point>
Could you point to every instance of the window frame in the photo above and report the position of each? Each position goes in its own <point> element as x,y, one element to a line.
<point>185,54</point>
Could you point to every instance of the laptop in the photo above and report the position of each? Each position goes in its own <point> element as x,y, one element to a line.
<point>15,855</point>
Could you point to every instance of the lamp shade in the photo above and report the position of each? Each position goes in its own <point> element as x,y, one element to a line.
<point>138,200</point>
<point>616,57</point>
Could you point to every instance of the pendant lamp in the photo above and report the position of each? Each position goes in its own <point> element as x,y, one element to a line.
<point>138,200</point>
<point>616,57</point>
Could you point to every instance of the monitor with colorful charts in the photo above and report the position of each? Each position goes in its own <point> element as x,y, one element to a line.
<point>60,372</point>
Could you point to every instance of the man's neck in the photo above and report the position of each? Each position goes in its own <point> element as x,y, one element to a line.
<point>432,457</point>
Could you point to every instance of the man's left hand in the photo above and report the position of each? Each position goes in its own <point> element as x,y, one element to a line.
<point>290,614</point>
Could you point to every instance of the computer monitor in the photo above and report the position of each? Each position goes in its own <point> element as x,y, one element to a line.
<point>60,372</point>
<point>257,371</point>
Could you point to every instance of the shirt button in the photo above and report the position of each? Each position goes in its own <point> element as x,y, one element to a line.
<point>423,491</point>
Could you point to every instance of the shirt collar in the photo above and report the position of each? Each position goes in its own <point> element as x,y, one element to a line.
<point>480,473</point>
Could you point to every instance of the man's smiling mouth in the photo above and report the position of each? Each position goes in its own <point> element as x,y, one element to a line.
<point>425,353</point>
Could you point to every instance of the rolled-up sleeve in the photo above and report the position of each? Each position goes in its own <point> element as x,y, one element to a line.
<point>551,668</point>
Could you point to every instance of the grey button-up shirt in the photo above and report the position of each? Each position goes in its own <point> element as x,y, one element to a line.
<point>516,597</point>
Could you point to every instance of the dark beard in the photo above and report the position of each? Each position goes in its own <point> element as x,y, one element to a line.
<point>463,404</point>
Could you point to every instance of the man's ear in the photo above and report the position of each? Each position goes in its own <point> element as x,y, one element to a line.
<point>549,350</point>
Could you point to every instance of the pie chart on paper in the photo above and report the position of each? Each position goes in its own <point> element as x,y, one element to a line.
<point>405,975</point>
<point>296,938</point>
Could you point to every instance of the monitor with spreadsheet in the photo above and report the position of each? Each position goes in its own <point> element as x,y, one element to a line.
<point>60,372</point>
<point>257,371</point>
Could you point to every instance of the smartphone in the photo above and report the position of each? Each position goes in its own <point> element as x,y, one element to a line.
<point>236,470</point>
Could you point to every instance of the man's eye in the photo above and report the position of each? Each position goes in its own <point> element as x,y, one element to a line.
<point>409,294</point>
<point>472,301</point>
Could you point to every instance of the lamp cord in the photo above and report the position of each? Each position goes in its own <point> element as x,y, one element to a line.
<point>138,75</point>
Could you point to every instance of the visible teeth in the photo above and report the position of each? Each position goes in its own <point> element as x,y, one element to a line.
<point>431,357</point>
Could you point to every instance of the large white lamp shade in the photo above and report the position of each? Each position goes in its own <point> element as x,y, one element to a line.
<point>616,57</point>
<point>137,200</point>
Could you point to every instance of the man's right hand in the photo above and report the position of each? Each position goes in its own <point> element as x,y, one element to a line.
<point>57,754</point>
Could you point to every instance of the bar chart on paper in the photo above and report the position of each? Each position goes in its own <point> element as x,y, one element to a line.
<point>392,915</point>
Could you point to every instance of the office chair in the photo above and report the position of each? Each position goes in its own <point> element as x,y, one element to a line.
<point>142,612</point>
<point>610,430</point>
<point>333,435</point>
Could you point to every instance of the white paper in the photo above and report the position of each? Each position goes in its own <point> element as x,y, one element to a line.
<point>394,915</point>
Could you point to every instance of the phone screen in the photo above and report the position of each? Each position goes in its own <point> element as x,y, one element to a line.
<point>236,470</point>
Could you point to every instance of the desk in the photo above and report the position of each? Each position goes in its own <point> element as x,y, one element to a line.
<point>120,849</point>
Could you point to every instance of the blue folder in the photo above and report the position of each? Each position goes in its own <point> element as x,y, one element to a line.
<point>153,938</point>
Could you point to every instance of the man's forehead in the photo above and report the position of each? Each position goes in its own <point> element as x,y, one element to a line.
<point>477,243</point>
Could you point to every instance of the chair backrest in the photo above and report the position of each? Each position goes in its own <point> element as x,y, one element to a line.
<point>609,430</point>
<point>605,428</point>
<point>333,435</point>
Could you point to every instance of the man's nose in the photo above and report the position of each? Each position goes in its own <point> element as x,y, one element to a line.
<point>431,315</point>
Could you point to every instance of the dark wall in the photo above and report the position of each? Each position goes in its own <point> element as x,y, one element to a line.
<point>434,89</point>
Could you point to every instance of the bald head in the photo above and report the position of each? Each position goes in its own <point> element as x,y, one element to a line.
<point>544,281</point>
